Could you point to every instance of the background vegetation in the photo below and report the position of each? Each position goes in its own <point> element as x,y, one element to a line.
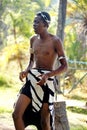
<point>16,18</point>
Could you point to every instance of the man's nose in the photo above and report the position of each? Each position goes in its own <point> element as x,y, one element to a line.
<point>35,24</point>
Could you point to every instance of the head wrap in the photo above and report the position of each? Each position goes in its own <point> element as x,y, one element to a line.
<point>45,16</point>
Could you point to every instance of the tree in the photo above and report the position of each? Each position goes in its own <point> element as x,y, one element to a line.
<point>61,19</point>
<point>60,30</point>
<point>61,121</point>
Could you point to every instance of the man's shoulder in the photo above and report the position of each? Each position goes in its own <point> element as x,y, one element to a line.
<point>55,38</point>
<point>33,37</point>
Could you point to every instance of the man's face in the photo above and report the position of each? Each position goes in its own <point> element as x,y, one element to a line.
<point>38,25</point>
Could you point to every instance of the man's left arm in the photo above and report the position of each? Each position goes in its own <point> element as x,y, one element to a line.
<point>61,58</point>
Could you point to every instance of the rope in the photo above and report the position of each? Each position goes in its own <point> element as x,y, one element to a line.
<point>77,62</point>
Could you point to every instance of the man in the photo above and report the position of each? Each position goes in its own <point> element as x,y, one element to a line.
<point>39,89</point>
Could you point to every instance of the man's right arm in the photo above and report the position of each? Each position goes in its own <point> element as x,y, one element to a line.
<point>31,62</point>
<point>24,73</point>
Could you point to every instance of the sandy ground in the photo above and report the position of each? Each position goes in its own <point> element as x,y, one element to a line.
<point>6,122</point>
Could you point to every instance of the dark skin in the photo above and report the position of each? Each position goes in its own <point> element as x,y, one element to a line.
<point>46,48</point>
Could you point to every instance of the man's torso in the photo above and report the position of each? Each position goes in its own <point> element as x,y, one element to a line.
<point>44,53</point>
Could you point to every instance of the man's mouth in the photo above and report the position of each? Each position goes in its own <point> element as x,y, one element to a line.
<point>35,29</point>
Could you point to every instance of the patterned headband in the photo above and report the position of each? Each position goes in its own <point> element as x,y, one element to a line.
<point>44,17</point>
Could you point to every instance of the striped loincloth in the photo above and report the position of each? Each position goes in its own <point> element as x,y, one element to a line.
<point>37,92</point>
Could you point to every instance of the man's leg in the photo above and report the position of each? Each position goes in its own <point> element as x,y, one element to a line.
<point>22,103</point>
<point>45,117</point>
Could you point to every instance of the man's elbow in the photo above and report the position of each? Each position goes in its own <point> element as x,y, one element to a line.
<point>65,67</point>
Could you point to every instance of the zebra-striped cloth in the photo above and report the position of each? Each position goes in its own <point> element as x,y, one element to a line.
<point>37,93</point>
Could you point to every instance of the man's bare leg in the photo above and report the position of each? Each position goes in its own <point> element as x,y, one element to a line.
<point>45,117</point>
<point>21,105</point>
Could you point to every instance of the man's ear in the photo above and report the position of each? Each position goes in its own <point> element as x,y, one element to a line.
<point>46,25</point>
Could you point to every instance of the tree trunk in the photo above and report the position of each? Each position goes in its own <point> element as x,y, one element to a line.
<point>60,32</point>
<point>61,18</point>
<point>61,121</point>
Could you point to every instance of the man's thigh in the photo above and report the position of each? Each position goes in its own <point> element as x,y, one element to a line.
<point>21,104</point>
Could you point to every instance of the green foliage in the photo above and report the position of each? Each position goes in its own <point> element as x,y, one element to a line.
<point>74,50</point>
<point>5,110</point>
<point>42,3</point>
<point>20,25</point>
<point>78,127</point>
<point>78,97</point>
<point>77,110</point>
<point>21,16</point>
<point>81,4</point>
<point>4,82</point>
<point>17,52</point>
<point>78,8</point>
<point>73,47</point>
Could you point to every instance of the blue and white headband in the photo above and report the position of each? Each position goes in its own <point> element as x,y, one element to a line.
<point>44,17</point>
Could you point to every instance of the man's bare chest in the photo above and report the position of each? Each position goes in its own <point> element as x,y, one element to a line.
<point>43,48</point>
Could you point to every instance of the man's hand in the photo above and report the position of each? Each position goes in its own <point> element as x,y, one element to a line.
<point>22,75</point>
<point>43,79</point>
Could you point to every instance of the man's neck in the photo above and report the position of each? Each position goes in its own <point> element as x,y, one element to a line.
<point>44,35</point>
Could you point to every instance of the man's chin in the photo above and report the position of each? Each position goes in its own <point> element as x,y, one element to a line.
<point>36,32</point>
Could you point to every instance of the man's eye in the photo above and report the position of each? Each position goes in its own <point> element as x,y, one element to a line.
<point>36,22</point>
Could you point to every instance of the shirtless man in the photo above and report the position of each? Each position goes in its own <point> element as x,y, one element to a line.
<point>45,48</point>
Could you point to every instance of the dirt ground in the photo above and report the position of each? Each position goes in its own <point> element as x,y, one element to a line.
<point>6,122</point>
